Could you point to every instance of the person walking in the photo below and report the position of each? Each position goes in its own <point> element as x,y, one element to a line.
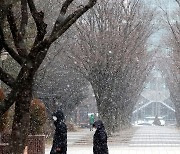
<point>156,121</point>
<point>100,138</point>
<point>91,122</point>
<point>60,137</point>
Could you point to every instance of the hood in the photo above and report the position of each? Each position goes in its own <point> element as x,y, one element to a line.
<point>59,115</point>
<point>99,124</point>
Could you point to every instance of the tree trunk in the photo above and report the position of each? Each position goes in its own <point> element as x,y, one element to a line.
<point>116,123</point>
<point>107,119</point>
<point>177,115</point>
<point>117,120</point>
<point>21,119</point>
<point>177,118</point>
<point>103,94</point>
<point>105,114</point>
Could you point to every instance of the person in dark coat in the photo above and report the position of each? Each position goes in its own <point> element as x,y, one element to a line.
<point>100,138</point>
<point>60,137</point>
<point>156,121</point>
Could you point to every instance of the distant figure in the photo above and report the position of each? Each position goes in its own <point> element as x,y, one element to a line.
<point>91,122</point>
<point>60,137</point>
<point>157,122</point>
<point>100,138</point>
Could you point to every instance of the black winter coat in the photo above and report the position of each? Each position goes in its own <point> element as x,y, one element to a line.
<point>60,136</point>
<point>100,139</point>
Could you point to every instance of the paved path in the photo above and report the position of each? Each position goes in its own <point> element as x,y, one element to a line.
<point>156,137</point>
<point>76,138</point>
<point>141,140</point>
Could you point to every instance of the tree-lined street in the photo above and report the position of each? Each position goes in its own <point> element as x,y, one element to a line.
<point>115,60</point>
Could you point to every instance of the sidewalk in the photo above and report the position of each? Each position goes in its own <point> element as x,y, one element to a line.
<point>81,142</point>
<point>156,136</point>
<point>141,140</point>
<point>75,138</point>
<point>125,150</point>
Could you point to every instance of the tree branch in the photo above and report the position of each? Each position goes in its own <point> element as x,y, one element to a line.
<point>24,76</point>
<point>43,46</point>
<point>61,18</point>
<point>39,20</point>
<point>1,43</point>
<point>8,102</point>
<point>64,25</point>
<point>178,1</point>
<point>12,53</point>
<point>4,5</point>
<point>6,78</point>
<point>17,37</point>
<point>65,6</point>
<point>24,17</point>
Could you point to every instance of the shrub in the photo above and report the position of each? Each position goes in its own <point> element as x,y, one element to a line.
<point>37,117</point>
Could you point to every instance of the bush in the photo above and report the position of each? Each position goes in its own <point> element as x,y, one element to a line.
<point>37,117</point>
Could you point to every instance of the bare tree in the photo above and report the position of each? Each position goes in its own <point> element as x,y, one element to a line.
<point>171,65</point>
<point>60,87</point>
<point>109,50</point>
<point>172,80</point>
<point>29,58</point>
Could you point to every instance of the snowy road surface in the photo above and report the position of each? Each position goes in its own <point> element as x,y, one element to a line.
<point>146,140</point>
<point>156,137</point>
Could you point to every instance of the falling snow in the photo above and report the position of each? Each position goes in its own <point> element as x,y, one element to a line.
<point>118,63</point>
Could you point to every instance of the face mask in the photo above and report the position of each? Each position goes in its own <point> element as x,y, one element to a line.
<point>54,118</point>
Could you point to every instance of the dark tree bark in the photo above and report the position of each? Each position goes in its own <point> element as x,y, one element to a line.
<point>21,93</point>
<point>102,85</point>
<point>21,119</point>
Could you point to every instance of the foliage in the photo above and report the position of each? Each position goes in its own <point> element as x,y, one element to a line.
<point>37,117</point>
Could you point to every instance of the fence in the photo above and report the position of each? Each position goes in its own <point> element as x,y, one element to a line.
<point>36,144</point>
<point>4,148</point>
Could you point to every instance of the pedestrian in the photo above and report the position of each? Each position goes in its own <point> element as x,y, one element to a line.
<point>100,138</point>
<point>60,137</point>
<point>157,122</point>
<point>91,122</point>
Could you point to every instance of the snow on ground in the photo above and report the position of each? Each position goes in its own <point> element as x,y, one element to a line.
<point>144,140</point>
<point>124,150</point>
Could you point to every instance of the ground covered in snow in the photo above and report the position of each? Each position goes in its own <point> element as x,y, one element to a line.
<point>141,140</point>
